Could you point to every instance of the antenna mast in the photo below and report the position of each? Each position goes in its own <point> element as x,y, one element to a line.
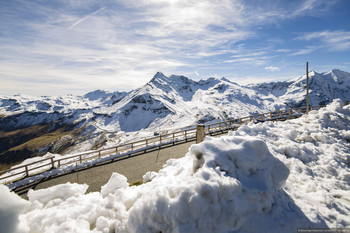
<point>307,87</point>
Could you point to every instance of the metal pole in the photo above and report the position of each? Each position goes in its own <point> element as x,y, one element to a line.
<point>307,87</point>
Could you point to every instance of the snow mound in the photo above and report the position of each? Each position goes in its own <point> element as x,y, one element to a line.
<point>115,182</point>
<point>61,191</point>
<point>231,179</point>
<point>266,177</point>
<point>316,150</point>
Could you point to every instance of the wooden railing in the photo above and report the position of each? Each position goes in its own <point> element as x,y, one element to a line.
<point>157,141</point>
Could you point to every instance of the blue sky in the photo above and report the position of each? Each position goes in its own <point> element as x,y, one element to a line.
<point>57,47</point>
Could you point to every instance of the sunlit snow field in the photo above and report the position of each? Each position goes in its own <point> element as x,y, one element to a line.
<point>266,177</point>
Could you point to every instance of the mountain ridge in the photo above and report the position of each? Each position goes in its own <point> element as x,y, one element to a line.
<point>101,118</point>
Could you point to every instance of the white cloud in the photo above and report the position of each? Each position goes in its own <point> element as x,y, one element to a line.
<point>316,7</point>
<point>307,5</point>
<point>283,50</point>
<point>271,68</point>
<point>120,44</point>
<point>307,50</point>
<point>129,41</point>
<point>333,40</point>
<point>243,56</point>
<point>247,60</point>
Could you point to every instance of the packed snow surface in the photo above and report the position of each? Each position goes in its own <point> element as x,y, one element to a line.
<point>266,177</point>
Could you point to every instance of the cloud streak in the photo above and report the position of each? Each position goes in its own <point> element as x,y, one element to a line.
<point>85,18</point>
<point>332,40</point>
<point>271,68</point>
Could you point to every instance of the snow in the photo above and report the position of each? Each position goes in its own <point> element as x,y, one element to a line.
<point>61,191</point>
<point>11,206</point>
<point>316,150</point>
<point>215,191</point>
<point>115,182</point>
<point>266,177</point>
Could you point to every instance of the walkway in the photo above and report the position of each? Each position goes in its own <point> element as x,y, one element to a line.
<point>132,167</point>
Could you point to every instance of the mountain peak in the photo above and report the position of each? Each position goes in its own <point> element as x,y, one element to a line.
<point>226,80</point>
<point>312,73</point>
<point>159,75</point>
<point>94,95</point>
<point>338,72</point>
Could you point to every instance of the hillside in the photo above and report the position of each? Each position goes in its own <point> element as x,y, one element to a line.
<point>31,126</point>
<point>266,177</point>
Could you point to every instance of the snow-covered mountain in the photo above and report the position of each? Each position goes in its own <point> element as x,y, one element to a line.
<point>31,126</point>
<point>176,101</point>
<point>324,87</point>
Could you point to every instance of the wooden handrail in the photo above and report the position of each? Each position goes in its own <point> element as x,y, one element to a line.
<point>158,140</point>
<point>11,169</point>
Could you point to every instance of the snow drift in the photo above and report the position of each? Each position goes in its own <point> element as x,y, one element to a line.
<point>266,177</point>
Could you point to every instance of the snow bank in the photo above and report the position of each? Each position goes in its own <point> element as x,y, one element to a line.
<point>61,191</point>
<point>316,150</point>
<point>217,187</point>
<point>11,206</point>
<point>268,177</point>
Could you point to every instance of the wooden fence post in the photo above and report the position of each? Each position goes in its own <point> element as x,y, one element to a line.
<point>27,172</point>
<point>52,163</point>
<point>200,134</point>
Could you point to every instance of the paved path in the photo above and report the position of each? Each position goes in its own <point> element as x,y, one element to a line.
<point>132,167</point>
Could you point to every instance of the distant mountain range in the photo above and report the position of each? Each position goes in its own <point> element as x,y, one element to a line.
<point>32,126</point>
